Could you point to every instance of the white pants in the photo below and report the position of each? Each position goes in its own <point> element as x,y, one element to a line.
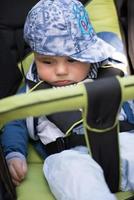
<point>74,175</point>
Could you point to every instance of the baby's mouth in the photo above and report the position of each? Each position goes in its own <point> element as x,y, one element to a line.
<point>62,82</point>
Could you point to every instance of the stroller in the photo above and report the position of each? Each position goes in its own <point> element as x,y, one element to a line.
<point>36,103</point>
<point>40,102</point>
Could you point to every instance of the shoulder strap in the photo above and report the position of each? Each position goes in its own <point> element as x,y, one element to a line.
<point>65,121</point>
<point>104,101</point>
<point>108,72</point>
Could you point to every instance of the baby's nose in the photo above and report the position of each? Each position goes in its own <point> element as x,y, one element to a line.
<point>62,70</point>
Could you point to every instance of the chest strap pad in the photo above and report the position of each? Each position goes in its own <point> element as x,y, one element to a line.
<point>104,100</point>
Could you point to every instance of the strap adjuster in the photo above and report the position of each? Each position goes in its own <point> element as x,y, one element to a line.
<point>60,144</point>
<point>64,143</point>
<point>57,146</point>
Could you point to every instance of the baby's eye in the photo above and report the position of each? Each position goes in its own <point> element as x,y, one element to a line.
<point>71,60</point>
<point>47,62</point>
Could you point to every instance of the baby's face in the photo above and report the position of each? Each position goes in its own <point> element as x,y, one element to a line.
<point>60,71</point>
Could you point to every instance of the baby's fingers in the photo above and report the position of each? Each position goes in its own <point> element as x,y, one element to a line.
<point>14,174</point>
<point>18,170</point>
<point>16,183</point>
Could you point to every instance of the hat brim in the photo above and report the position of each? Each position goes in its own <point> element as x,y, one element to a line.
<point>98,52</point>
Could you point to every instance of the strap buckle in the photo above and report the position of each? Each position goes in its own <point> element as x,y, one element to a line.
<point>60,143</point>
<point>57,146</point>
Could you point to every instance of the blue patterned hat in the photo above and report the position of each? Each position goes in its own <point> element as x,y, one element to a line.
<point>63,28</point>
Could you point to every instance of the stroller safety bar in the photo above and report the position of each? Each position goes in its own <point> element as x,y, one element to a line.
<point>55,100</point>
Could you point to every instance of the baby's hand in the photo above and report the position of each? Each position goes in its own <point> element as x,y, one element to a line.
<point>18,170</point>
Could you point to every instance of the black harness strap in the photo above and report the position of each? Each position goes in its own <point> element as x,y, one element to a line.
<point>65,120</point>
<point>65,143</point>
<point>105,151</point>
<point>73,140</point>
<point>126,126</point>
<point>103,105</point>
<point>104,98</point>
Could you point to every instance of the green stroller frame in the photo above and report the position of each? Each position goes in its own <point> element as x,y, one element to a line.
<point>66,99</point>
